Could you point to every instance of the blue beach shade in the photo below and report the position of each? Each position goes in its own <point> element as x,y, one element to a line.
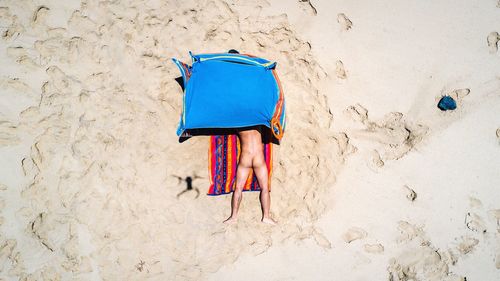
<point>230,90</point>
<point>447,103</point>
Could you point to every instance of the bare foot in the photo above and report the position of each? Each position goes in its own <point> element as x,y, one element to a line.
<point>269,221</point>
<point>230,220</point>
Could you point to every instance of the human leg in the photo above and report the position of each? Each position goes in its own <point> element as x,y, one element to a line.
<point>260,169</point>
<point>242,173</point>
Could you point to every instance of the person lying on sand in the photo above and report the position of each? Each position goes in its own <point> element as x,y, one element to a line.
<point>251,157</point>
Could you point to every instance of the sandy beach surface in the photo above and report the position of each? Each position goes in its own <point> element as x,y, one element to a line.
<point>371,182</point>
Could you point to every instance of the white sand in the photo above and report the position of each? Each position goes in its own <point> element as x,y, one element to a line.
<point>372,181</point>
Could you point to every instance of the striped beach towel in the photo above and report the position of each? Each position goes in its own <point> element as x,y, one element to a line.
<point>223,155</point>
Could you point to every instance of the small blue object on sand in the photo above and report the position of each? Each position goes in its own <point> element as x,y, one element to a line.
<point>447,103</point>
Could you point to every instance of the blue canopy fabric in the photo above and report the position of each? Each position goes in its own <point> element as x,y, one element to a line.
<point>230,91</point>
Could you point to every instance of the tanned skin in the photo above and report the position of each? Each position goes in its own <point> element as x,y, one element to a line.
<point>251,157</point>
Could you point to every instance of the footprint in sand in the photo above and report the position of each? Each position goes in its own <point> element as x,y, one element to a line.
<point>8,134</point>
<point>40,16</point>
<point>375,161</point>
<point>373,248</point>
<point>358,113</point>
<point>344,21</point>
<point>354,233</point>
<point>475,203</point>
<point>321,240</point>
<point>15,84</point>
<point>475,223</point>
<point>410,193</point>
<point>467,245</point>
<point>40,227</point>
<point>340,70</point>
<point>11,23</point>
<point>459,94</point>
<point>345,148</point>
<point>82,23</point>
<point>310,6</point>
<point>16,52</point>
<point>409,231</point>
<point>493,39</point>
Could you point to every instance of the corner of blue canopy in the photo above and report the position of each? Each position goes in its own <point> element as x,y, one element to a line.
<point>185,70</point>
